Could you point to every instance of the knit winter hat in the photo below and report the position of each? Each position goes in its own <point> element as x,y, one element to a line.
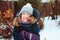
<point>27,8</point>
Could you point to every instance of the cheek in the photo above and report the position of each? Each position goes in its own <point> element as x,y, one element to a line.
<point>28,17</point>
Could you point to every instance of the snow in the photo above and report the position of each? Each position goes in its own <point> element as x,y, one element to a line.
<point>51,29</point>
<point>7,39</point>
<point>43,1</point>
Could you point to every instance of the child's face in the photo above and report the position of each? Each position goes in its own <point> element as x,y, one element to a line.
<point>25,16</point>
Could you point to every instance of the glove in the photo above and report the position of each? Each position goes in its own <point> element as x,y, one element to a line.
<point>16,22</point>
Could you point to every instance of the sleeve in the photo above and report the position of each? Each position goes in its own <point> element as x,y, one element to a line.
<point>17,29</point>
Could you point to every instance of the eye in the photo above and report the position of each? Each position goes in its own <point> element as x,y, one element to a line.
<point>28,14</point>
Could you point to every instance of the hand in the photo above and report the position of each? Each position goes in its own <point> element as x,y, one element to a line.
<point>32,20</point>
<point>16,21</point>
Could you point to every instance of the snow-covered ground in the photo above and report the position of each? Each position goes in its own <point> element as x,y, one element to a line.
<point>7,39</point>
<point>51,29</point>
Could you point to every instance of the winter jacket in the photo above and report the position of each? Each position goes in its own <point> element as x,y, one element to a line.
<point>33,29</point>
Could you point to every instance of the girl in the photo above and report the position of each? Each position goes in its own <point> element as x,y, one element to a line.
<point>26,27</point>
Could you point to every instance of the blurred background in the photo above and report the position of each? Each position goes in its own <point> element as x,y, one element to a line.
<point>49,13</point>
